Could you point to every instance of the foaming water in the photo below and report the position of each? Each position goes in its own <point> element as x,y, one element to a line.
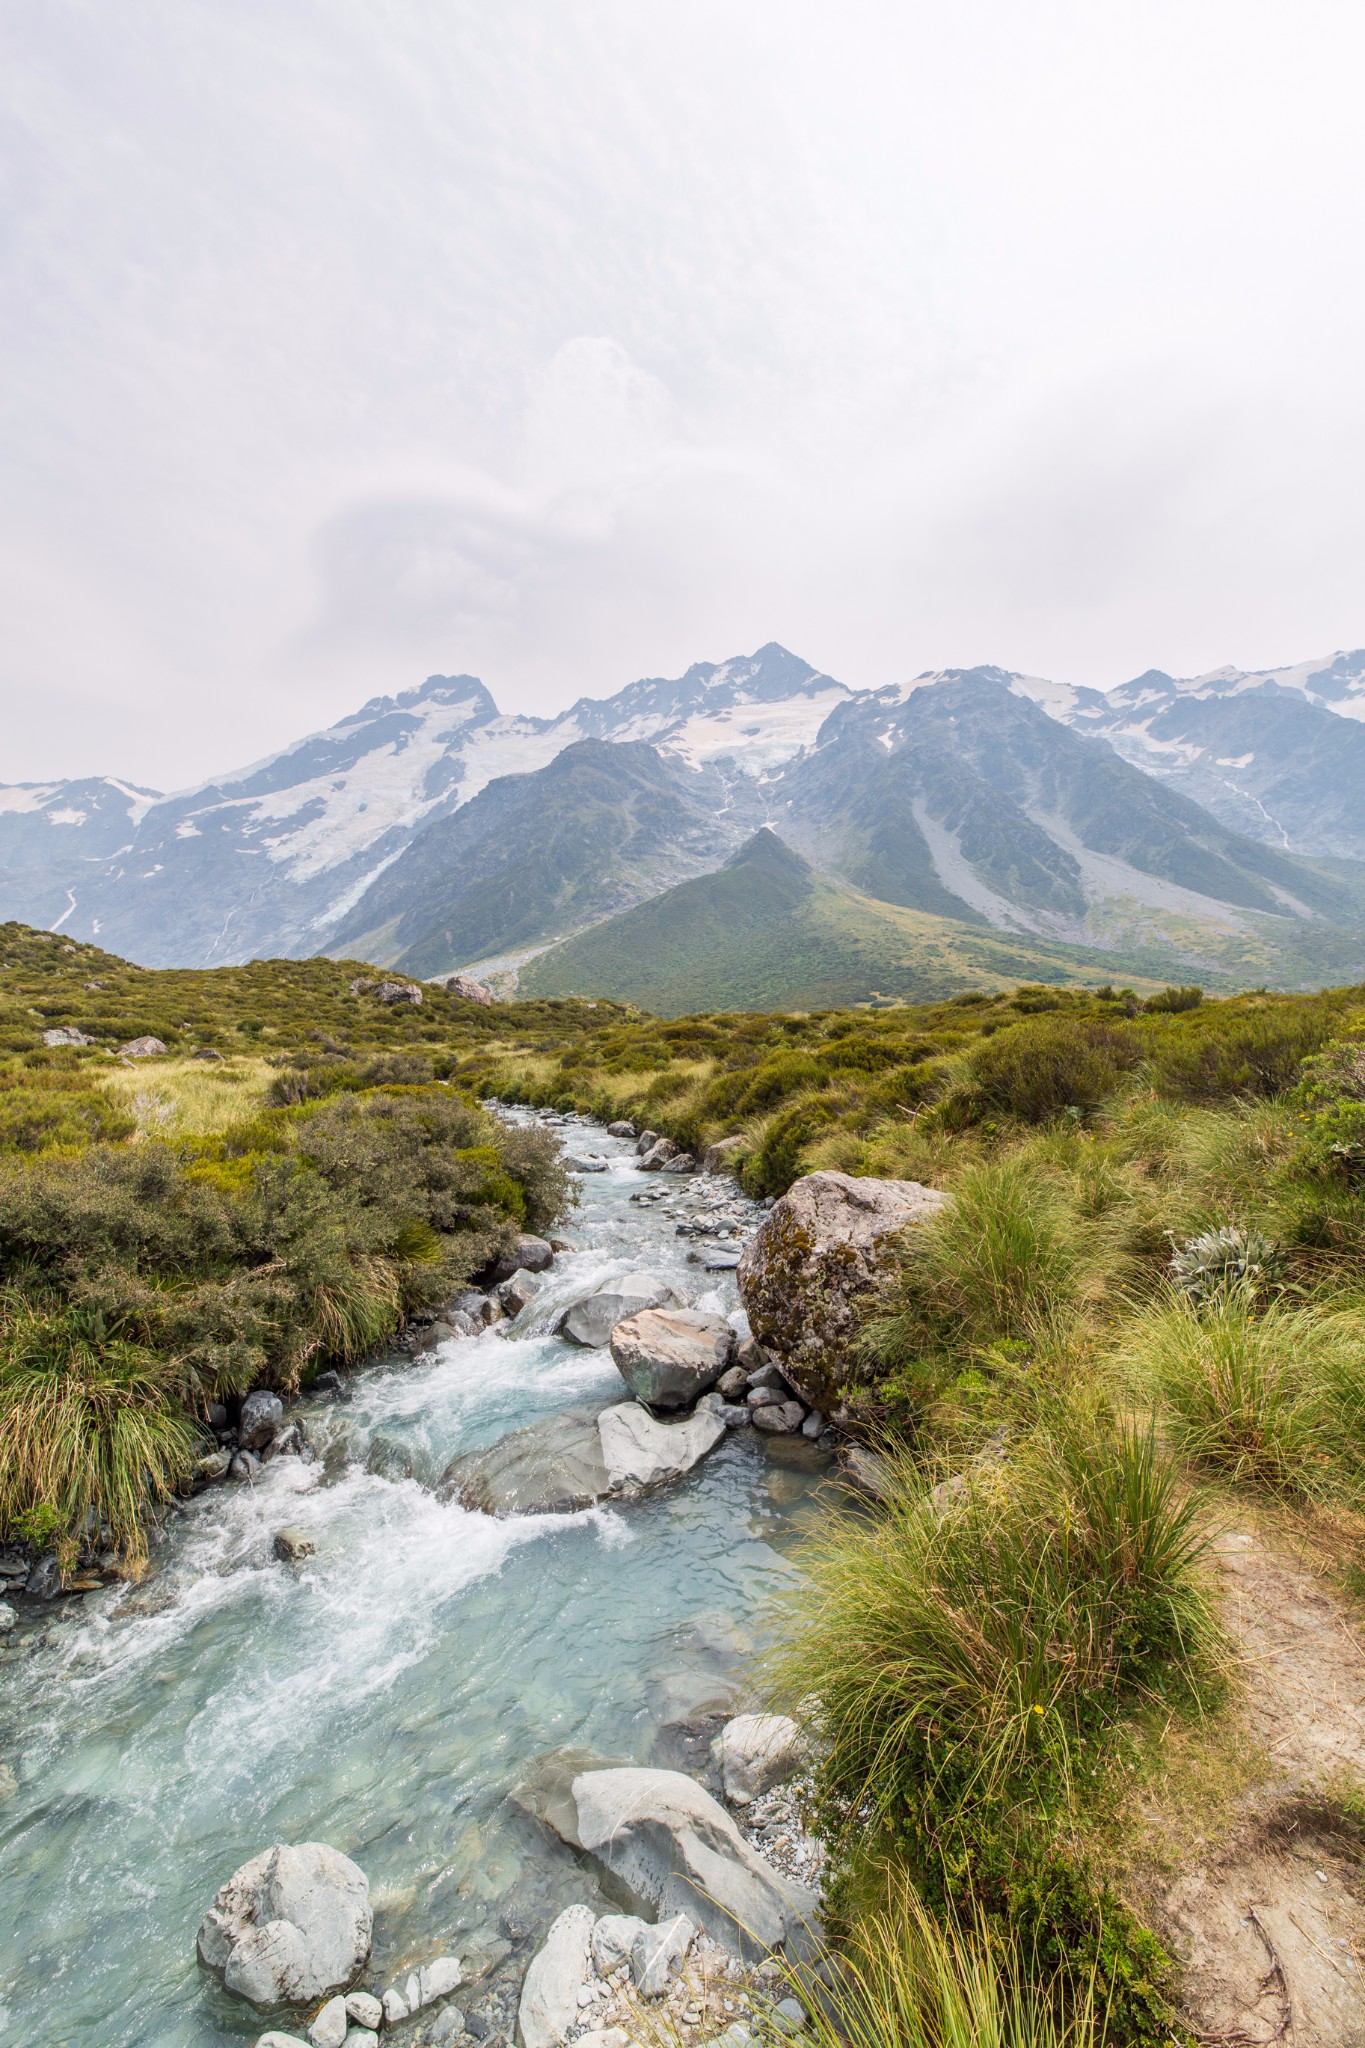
<point>387,1695</point>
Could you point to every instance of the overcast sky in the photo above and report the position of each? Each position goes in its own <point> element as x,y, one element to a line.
<point>566,341</point>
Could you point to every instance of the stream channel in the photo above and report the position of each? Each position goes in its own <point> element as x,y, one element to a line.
<point>387,1694</point>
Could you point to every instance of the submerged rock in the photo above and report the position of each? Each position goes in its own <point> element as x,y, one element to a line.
<point>817,1255</point>
<point>669,1357</point>
<point>639,1451</point>
<point>290,1926</point>
<point>291,1545</point>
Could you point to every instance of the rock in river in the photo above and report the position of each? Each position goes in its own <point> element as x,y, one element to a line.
<point>815,1257</point>
<point>674,1846</point>
<point>290,1926</point>
<point>669,1357</point>
<point>592,1320</point>
<point>576,1458</point>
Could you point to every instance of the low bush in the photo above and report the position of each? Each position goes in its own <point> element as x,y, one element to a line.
<point>1048,1064</point>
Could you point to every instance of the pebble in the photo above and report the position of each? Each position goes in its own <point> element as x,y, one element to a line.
<point>364,2008</point>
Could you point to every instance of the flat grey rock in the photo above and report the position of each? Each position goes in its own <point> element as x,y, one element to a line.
<point>670,1357</point>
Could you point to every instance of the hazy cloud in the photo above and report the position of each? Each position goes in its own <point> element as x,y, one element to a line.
<point>564,344</point>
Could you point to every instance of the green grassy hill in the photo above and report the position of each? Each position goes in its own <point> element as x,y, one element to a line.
<point>766,932</point>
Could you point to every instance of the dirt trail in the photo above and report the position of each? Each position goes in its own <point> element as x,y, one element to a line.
<point>1271,1926</point>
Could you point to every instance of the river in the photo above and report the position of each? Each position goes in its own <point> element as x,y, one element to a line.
<point>386,1695</point>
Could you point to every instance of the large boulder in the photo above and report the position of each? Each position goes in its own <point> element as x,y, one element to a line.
<point>575,1459</point>
<point>291,1926</point>
<point>659,1154</point>
<point>670,1356</point>
<point>392,992</point>
<point>466,986</point>
<point>639,1451</point>
<point>261,1417</point>
<point>809,1269</point>
<point>592,1320</point>
<point>675,1848</point>
<point>549,1992</point>
<point>68,1034</point>
<point>146,1048</point>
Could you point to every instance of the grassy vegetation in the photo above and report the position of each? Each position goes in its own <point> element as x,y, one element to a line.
<point>1142,1310</point>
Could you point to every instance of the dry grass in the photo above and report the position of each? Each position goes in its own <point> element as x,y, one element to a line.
<point>188,1098</point>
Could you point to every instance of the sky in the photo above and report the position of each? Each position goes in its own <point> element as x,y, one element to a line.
<point>567,341</point>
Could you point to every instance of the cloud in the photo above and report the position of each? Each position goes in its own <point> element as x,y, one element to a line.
<point>565,345</point>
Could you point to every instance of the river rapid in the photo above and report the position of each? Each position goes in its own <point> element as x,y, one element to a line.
<point>386,1695</point>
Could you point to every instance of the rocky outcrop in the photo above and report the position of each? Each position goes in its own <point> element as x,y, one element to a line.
<point>592,1320</point>
<point>67,1034</point>
<point>290,1926</point>
<point>146,1048</point>
<point>757,1751</point>
<point>395,992</point>
<point>669,1357</point>
<point>816,1257</point>
<point>676,1848</point>
<point>549,1995</point>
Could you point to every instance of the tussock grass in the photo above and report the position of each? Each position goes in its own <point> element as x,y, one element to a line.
<point>958,1645</point>
<point>187,1097</point>
<point>91,1426</point>
<point>1273,1399</point>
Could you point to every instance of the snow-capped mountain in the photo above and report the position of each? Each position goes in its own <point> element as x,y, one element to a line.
<point>273,858</point>
<point>1276,753</point>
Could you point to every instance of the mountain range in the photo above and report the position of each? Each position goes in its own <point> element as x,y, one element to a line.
<point>1208,828</point>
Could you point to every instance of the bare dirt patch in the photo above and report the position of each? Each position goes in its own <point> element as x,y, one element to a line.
<point>1270,1924</point>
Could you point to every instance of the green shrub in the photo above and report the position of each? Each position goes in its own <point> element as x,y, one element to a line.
<point>1222,1053</point>
<point>1048,1064</point>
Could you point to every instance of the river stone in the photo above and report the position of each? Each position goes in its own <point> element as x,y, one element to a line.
<point>8,1618</point>
<point>782,1419</point>
<point>262,1414</point>
<point>44,1582</point>
<point>518,1292</point>
<point>719,1157</point>
<point>670,1356</point>
<point>816,1257</point>
<point>613,1938</point>
<point>293,1545</point>
<point>364,2008</point>
<point>549,1996</point>
<point>681,1162</point>
<point>659,1154</point>
<point>591,1321</point>
<point>622,1128</point>
<point>757,1751</point>
<point>675,1847</point>
<point>657,1954</point>
<point>275,2039</point>
<point>549,1467</point>
<point>639,1451</point>
<point>329,2029</point>
<point>645,1141</point>
<point>290,1926</point>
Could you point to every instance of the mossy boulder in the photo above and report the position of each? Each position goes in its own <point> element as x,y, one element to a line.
<point>820,1252</point>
